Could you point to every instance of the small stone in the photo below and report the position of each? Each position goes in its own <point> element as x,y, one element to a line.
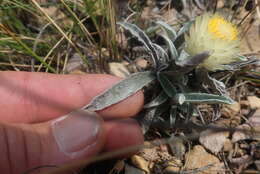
<point>244,103</point>
<point>231,110</point>
<point>255,119</point>
<point>254,102</point>
<point>171,169</point>
<point>228,146</point>
<point>141,62</point>
<point>240,135</point>
<point>234,107</point>
<point>140,163</point>
<point>198,158</point>
<point>177,147</point>
<point>118,69</point>
<point>213,141</point>
<point>174,166</point>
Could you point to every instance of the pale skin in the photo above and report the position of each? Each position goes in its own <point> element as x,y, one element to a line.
<point>31,102</point>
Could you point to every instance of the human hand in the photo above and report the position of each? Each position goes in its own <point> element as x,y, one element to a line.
<point>33,133</point>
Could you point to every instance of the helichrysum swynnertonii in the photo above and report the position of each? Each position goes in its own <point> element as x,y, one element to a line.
<point>212,32</point>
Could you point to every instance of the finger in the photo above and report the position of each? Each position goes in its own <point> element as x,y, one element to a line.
<point>122,133</point>
<point>62,140</point>
<point>53,143</point>
<point>41,96</point>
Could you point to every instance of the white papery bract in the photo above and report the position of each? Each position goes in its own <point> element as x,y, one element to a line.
<point>212,32</point>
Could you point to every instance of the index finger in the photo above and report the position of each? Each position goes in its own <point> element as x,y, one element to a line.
<point>35,97</point>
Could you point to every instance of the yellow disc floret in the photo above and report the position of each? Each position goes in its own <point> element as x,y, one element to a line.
<point>222,29</point>
<point>212,32</point>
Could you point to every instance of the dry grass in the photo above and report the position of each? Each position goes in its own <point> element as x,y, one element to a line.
<point>43,37</point>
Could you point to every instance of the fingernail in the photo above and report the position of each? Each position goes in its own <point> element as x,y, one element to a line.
<point>77,131</point>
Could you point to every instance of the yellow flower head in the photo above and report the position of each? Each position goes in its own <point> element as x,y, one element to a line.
<point>212,32</point>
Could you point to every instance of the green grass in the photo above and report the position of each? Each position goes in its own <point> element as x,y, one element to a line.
<point>29,30</point>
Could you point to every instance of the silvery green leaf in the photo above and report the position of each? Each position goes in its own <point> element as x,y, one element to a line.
<point>171,33</point>
<point>242,58</point>
<point>207,98</point>
<point>183,56</point>
<point>153,116</point>
<point>160,99</point>
<point>184,28</point>
<point>180,35</point>
<point>172,49</point>
<point>240,64</point>
<point>227,67</point>
<point>148,119</point>
<point>142,37</point>
<point>177,145</point>
<point>167,85</point>
<point>151,30</point>
<point>121,90</point>
<point>219,86</point>
<point>161,53</point>
<point>173,115</point>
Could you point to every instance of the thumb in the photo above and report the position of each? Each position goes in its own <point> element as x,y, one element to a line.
<point>79,134</point>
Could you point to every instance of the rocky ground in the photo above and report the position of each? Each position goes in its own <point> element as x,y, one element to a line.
<point>186,149</point>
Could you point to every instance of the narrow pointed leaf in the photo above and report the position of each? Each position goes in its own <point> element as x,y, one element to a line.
<point>240,64</point>
<point>148,119</point>
<point>121,90</point>
<point>173,114</point>
<point>182,57</point>
<point>242,58</point>
<point>153,116</point>
<point>184,28</point>
<point>161,53</point>
<point>171,33</point>
<point>226,67</point>
<point>207,98</point>
<point>160,99</point>
<point>217,85</point>
<point>180,36</point>
<point>172,49</point>
<point>142,37</point>
<point>167,85</point>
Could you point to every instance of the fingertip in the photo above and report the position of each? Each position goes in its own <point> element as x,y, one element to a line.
<point>122,133</point>
<point>79,135</point>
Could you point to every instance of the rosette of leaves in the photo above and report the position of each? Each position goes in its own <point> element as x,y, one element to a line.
<point>177,80</point>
